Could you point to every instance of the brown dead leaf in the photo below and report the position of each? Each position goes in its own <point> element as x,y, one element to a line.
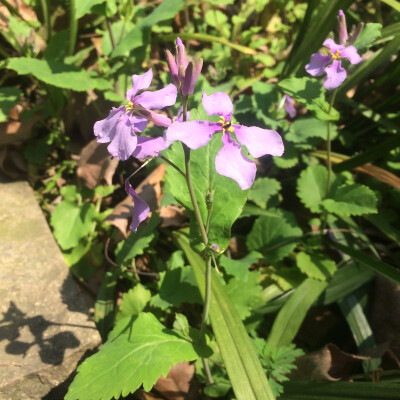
<point>177,383</point>
<point>95,165</point>
<point>380,174</point>
<point>149,190</point>
<point>328,364</point>
<point>172,215</point>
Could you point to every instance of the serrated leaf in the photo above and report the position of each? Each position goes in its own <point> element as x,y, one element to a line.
<point>367,37</point>
<point>311,94</point>
<point>229,199</point>
<point>176,286</point>
<point>9,97</point>
<point>316,265</point>
<point>83,7</point>
<point>138,241</point>
<point>133,302</point>
<point>354,199</point>
<point>262,190</point>
<point>58,74</point>
<point>137,352</point>
<point>311,187</point>
<point>275,237</point>
<point>71,222</point>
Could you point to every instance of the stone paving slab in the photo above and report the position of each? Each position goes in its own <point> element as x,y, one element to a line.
<point>45,326</point>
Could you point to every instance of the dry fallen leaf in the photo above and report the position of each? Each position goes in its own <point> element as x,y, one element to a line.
<point>95,165</point>
<point>177,383</point>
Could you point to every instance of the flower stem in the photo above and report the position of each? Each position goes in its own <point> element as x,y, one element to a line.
<point>328,146</point>
<point>204,236</point>
<point>173,165</point>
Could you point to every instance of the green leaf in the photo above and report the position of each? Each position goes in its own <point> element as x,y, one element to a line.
<point>176,286</point>
<point>58,74</point>
<point>133,302</point>
<point>378,266</point>
<point>137,352</point>
<point>104,306</point>
<point>229,199</point>
<point>76,259</point>
<point>9,97</point>
<point>367,37</point>
<point>311,187</point>
<point>181,324</point>
<point>354,199</point>
<point>138,241</point>
<point>291,316</point>
<point>262,190</point>
<point>82,7</point>
<point>244,286</point>
<point>134,38</point>
<point>303,129</point>
<point>274,237</point>
<point>311,94</point>
<point>242,364</point>
<point>57,46</point>
<point>72,222</point>
<point>316,265</point>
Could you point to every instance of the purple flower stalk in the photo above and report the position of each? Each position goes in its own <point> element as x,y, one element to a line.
<point>121,126</point>
<point>230,160</point>
<point>335,73</point>
<point>289,106</point>
<point>184,73</point>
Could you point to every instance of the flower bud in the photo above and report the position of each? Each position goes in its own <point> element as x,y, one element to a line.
<point>356,32</point>
<point>343,35</point>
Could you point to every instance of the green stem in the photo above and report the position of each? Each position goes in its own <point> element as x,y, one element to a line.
<point>173,165</point>
<point>328,146</point>
<point>73,28</point>
<point>46,17</point>
<point>207,295</point>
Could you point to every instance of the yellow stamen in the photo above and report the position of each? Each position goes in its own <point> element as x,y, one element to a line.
<point>226,126</point>
<point>129,107</point>
<point>336,56</point>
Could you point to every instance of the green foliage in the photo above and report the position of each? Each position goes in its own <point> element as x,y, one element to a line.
<point>58,74</point>
<point>274,236</point>
<point>133,302</point>
<point>138,351</point>
<point>72,222</point>
<point>9,97</point>
<point>367,37</point>
<point>306,130</point>
<point>229,199</point>
<point>315,265</point>
<point>137,242</point>
<point>311,94</point>
<point>262,190</point>
<point>83,7</point>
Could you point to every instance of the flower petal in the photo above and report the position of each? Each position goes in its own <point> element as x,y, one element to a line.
<point>140,208</point>
<point>139,82</point>
<point>218,103</point>
<point>289,106</point>
<point>332,46</point>
<point>148,147</point>
<point>350,52</point>
<point>335,75</point>
<point>103,129</point>
<point>124,140</point>
<point>317,63</point>
<point>231,162</point>
<point>138,124</point>
<point>193,133</point>
<point>159,99</point>
<point>259,141</point>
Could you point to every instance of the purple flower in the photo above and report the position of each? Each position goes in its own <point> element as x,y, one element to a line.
<point>123,123</point>
<point>289,106</point>
<point>184,73</point>
<point>335,73</point>
<point>140,208</point>
<point>230,160</point>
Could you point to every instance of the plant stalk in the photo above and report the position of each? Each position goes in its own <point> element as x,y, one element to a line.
<point>328,146</point>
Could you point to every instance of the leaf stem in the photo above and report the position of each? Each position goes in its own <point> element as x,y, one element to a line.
<point>328,146</point>
<point>173,165</point>
<point>73,27</point>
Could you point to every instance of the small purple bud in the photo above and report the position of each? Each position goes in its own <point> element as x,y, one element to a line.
<point>357,31</point>
<point>179,42</point>
<point>215,248</point>
<point>289,106</point>
<point>173,68</point>
<point>181,59</point>
<point>343,35</point>
<point>191,76</point>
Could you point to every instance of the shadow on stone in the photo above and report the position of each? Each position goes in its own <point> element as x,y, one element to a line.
<point>51,347</point>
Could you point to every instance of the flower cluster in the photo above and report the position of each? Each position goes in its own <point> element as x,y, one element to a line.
<point>123,126</point>
<point>330,63</point>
